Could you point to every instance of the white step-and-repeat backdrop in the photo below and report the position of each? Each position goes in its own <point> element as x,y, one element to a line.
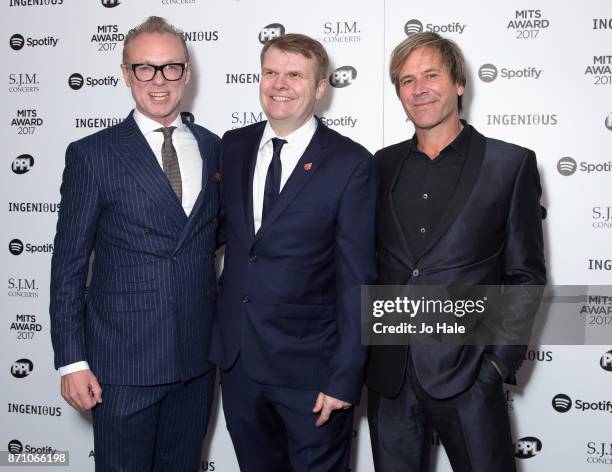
<point>540,75</point>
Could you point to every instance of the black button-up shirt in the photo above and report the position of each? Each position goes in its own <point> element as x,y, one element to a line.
<point>424,189</point>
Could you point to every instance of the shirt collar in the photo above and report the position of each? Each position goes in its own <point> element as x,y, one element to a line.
<point>298,138</point>
<point>460,144</point>
<point>147,125</point>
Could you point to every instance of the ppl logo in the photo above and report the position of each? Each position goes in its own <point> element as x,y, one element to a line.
<point>343,76</point>
<point>22,164</point>
<point>562,403</point>
<point>16,42</point>
<point>608,122</point>
<point>22,368</point>
<point>526,448</point>
<point>606,361</point>
<point>412,27</point>
<point>273,30</point>
<point>110,3</point>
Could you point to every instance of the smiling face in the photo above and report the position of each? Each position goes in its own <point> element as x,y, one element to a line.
<point>288,89</point>
<point>427,91</point>
<point>158,99</point>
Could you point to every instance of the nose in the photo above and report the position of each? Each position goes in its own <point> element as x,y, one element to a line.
<point>419,87</point>
<point>158,78</point>
<point>280,82</point>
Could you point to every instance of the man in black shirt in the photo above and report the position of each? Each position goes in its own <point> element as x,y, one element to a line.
<point>455,207</point>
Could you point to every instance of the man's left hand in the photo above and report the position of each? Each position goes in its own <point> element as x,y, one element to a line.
<point>326,405</point>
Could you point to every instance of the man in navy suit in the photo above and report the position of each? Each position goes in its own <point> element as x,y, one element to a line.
<point>455,207</point>
<point>142,197</point>
<point>297,216</point>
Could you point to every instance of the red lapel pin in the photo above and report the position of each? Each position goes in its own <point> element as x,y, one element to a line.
<point>308,166</point>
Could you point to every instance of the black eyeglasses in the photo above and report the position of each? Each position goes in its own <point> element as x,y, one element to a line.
<point>146,72</point>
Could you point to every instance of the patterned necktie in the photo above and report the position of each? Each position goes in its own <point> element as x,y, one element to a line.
<point>170,162</point>
<point>273,178</point>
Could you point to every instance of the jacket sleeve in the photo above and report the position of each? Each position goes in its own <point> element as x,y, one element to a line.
<point>80,208</point>
<point>524,273</point>
<point>355,266</point>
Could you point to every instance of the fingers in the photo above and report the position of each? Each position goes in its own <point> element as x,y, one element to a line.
<point>326,405</point>
<point>81,390</point>
<point>96,390</point>
<point>325,414</point>
<point>318,403</point>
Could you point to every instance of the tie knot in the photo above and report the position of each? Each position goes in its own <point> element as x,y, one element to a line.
<point>166,131</point>
<point>277,145</point>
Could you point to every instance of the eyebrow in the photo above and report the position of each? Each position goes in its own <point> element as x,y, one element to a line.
<point>433,69</point>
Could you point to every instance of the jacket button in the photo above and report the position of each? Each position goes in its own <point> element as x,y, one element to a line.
<point>415,273</point>
<point>173,258</point>
<point>171,299</point>
<point>245,299</point>
<point>147,229</point>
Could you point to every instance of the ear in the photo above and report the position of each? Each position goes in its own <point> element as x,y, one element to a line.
<point>321,87</point>
<point>187,72</point>
<point>460,89</point>
<point>126,74</point>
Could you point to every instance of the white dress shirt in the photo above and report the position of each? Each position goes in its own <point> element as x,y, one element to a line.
<point>291,152</point>
<point>190,164</point>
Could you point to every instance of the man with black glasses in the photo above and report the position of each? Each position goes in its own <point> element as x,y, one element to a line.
<point>142,196</point>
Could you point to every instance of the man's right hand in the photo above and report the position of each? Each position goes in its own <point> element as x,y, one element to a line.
<point>81,390</point>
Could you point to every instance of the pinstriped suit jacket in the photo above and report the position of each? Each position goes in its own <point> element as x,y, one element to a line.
<point>147,317</point>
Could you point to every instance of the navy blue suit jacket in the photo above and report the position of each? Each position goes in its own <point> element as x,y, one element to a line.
<point>490,234</point>
<point>147,317</point>
<point>289,296</point>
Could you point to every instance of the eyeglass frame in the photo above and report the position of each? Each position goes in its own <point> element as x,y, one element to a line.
<point>160,69</point>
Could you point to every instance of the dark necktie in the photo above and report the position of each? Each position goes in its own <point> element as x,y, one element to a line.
<point>273,178</point>
<point>170,161</point>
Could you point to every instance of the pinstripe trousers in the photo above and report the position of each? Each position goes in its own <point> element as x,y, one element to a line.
<point>152,428</point>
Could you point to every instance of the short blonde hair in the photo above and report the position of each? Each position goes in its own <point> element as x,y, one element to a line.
<point>153,24</point>
<point>450,53</point>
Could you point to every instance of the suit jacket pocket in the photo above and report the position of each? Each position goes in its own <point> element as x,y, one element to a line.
<point>306,312</point>
<point>129,301</point>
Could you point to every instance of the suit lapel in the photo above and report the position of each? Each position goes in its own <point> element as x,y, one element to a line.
<point>206,153</point>
<point>303,171</point>
<point>396,167</point>
<point>467,181</point>
<point>135,153</point>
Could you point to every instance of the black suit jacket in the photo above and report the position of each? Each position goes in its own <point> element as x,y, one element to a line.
<point>491,233</point>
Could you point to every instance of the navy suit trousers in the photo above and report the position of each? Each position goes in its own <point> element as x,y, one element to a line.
<point>273,428</point>
<point>152,428</point>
